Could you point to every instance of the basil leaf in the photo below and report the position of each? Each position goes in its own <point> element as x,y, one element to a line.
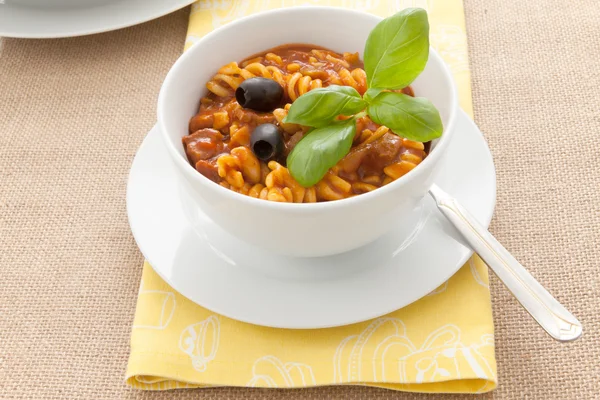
<point>370,94</point>
<point>319,150</point>
<point>321,106</point>
<point>414,118</point>
<point>397,49</point>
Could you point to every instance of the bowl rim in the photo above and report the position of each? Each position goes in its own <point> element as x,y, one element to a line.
<point>186,168</point>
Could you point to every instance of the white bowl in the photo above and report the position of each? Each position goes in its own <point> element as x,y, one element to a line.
<point>304,230</point>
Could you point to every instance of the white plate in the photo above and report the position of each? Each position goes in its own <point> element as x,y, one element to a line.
<point>240,281</point>
<point>63,18</point>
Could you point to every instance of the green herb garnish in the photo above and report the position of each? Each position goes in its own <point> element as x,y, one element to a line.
<point>414,118</point>
<point>396,53</point>
<point>321,149</point>
<point>397,49</point>
<point>320,107</point>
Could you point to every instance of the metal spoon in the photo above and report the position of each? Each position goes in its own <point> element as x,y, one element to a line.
<point>545,309</point>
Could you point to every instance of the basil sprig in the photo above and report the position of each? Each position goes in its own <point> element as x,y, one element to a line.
<point>414,118</point>
<point>397,49</point>
<point>320,107</point>
<point>320,150</point>
<point>396,52</point>
<point>371,93</point>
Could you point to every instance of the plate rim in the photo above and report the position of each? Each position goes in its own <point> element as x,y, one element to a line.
<point>137,18</point>
<point>451,271</point>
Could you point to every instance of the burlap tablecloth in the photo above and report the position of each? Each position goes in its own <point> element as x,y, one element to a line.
<point>74,111</point>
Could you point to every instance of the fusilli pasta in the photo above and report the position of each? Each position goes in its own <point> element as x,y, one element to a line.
<point>220,134</point>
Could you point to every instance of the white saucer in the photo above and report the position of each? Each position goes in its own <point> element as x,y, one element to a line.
<point>62,18</point>
<point>240,281</point>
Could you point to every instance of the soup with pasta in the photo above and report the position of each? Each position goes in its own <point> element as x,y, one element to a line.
<point>240,140</point>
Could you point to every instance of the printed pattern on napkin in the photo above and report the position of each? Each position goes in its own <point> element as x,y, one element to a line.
<point>442,343</point>
<point>200,341</point>
<point>269,371</point>
<point>385,342</point>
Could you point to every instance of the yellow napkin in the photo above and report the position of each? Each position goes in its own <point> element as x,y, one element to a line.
<point>442,343</point>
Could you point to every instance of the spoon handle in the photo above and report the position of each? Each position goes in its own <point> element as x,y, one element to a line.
<point>545,309</point>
